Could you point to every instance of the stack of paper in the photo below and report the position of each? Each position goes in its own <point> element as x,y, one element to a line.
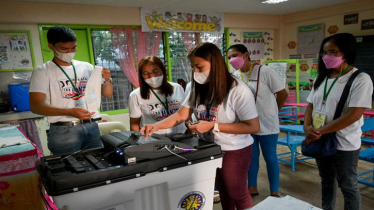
<point>284,203</point>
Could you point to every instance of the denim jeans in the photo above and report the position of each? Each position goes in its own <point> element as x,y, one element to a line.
<point>268,145</point>
<point>231,179</point>
<point>340,170</point>
<point>69,139</point>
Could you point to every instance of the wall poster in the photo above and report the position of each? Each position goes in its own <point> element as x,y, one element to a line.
<point>309,38</point>
<point>254,41</point>
<point>16,52</point>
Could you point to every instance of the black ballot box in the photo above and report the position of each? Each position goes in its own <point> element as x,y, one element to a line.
<point>128,176</point>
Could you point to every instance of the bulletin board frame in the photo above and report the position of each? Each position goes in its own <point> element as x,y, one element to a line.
<point>21,55</point>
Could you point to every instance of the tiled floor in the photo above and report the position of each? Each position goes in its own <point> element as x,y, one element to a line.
<point>304,183</point>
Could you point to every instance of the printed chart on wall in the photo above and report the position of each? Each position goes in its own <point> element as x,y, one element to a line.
<point>309,38</point>
<point>281,69</point>
<point>254,41</point>
<point>15,51</point>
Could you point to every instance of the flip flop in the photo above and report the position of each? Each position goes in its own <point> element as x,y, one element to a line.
<point>216,195</point>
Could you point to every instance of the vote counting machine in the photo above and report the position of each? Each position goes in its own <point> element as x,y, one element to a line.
<point>131,172</point>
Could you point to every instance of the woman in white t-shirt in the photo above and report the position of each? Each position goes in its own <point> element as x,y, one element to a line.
<point>265,85</point>
<point>225,109</point>
<point>156,98</point>
<point>337,54</point>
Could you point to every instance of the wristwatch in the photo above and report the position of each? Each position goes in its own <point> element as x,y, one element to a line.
<point>215,128</point>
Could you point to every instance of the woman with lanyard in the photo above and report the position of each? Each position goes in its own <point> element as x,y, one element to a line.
<point>265,84</point>
<point>156,98</point>
<point>232,116</point>
<point>337,54</point>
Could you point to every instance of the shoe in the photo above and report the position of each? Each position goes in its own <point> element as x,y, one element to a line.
<point>216,198</point>
<point>277,196</point>
<point>254,194</point>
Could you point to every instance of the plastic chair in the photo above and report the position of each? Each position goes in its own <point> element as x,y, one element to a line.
<point>292,142</point>
<point>368,156</point>
<point>368,126</point>
<point>292,98</point>
<point>106,118</point>
<point>288,114</point>
<point>109,127</point>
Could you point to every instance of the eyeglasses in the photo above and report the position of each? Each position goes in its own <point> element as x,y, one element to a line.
<point>154,73</point>
<point>330,52</point>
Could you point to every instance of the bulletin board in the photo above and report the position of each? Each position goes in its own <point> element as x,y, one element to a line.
<point>16,53</point>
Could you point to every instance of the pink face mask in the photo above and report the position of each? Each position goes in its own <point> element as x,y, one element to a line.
<point>237,62</point>
<point>332,62</point>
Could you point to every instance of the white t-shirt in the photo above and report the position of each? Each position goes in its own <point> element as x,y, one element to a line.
<point>50,80</point>
<point>239,105</point>
<point>349,138</point>
<point>151,110</point>
<point>266,104</point>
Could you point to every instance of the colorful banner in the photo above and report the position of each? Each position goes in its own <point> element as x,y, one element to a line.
<point>162,20</point>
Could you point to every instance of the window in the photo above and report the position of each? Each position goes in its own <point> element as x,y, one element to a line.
<point>105,56</point>
<point>180,65</point>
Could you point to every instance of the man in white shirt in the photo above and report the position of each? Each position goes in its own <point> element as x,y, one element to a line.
<point>57,90</point>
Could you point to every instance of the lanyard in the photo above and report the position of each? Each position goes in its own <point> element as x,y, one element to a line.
<point>75,76</point>
<point>333,83</point>
<point>166,106</point>
<point>249,74</point>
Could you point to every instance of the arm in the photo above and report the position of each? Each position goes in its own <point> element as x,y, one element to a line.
<point>242,127</point>
<point>38,106</point>
<point>107,87</point>
<point>281,98</point>
<point>353,114</point>
<point>310,132</point>
<point>175,119</point>
<point>134,124</point>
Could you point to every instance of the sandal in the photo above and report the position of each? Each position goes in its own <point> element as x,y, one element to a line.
<point>216,198</point>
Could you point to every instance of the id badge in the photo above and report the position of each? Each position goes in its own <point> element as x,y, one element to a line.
<point>81,102</point>
<point>319,119</point>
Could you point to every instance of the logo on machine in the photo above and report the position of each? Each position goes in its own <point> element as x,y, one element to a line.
<point>194,200</point>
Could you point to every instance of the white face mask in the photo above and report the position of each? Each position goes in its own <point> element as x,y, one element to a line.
<point>66,57</point>
<point>155,82</point>
<point>201,77</point>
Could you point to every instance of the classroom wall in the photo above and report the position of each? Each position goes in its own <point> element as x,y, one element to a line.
<point>332,15</point>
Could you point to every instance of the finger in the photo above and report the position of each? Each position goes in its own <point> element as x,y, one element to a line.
<point>142,130</point>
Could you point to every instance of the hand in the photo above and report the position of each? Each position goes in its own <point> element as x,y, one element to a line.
<point>80,113</point>
<point>201,126</point>
<point>312,134</point>
<point>148,130</point>
<point>106,75</point>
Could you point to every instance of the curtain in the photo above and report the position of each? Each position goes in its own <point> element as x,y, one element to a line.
<point>131,45</point>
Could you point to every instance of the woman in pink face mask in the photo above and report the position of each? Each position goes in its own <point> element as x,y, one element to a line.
<point>337,54</point>
<point>265,83</point>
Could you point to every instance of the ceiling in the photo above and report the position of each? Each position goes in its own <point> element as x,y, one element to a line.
<point>225,6</point>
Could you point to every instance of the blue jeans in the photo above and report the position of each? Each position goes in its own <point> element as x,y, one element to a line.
<point>69,139</point>
<point>269,151</point>
<point>340,170</point>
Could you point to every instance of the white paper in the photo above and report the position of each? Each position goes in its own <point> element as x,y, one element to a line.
<point>281,70</point>
<point>284,203</point>
<point>93,91</point>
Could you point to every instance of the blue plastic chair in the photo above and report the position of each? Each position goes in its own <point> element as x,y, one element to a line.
<point>367,154</point>
<point>288,114</point>
<point>292,142</point>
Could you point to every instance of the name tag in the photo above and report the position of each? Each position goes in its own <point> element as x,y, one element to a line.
<point>319,119</point>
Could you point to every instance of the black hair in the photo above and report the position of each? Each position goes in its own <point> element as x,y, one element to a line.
<point>220,79</point>
<point>241,48</point>
<point>58,34</point>
<point>347,45</point>
<point>166,88</point>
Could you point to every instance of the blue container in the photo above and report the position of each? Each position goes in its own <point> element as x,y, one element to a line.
<point>19,96</point>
